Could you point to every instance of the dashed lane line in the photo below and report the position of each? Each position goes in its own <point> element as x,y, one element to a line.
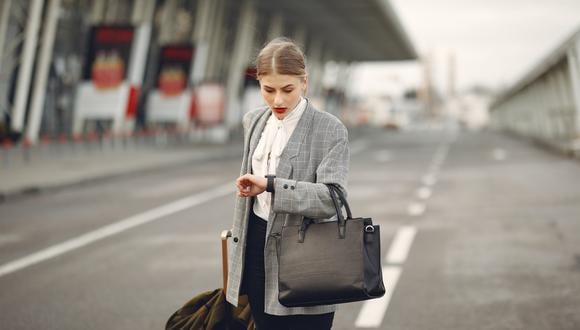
<point>429,179</point>
<point>373,311</point>
<point>401,245</point>
<point>424,193</point>
<point>416,209</point>
<point>499,154</point>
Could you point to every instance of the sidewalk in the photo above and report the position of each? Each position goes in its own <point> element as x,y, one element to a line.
<point>29,170</point>
<point>46,169</point>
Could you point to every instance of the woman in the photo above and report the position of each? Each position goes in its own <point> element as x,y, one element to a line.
<point>291,150</point>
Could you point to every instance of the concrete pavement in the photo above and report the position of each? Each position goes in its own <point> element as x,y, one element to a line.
<point>478,232</point>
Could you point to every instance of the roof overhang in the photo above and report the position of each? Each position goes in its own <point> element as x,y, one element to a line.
<point>355,30</point>
<point>553,58</point>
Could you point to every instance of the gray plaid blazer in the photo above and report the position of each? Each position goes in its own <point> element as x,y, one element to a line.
<point>317,153</point>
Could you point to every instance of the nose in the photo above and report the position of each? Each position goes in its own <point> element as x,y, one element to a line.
<point>278,101</point>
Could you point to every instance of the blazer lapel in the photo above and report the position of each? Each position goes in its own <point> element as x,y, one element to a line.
<point>255,133</point>
<point>284,169</point>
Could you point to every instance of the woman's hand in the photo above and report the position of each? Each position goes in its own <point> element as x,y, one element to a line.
<point>250,185</point>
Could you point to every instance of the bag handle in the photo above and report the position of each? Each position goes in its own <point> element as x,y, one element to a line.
<point>225,235</point>
<point>338,192</point>
<point>336,195</point>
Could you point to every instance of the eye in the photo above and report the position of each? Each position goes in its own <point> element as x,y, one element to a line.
<point>288,90</point>
<point>268,90</point>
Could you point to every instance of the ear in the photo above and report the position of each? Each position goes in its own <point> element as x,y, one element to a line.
<point>304,86</point>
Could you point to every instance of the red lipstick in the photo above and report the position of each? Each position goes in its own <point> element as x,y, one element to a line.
<point>280,110</point>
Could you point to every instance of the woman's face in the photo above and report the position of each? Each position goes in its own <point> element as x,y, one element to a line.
<point>282,92</point>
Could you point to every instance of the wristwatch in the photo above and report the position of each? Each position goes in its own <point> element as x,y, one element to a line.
<point>270,183</point>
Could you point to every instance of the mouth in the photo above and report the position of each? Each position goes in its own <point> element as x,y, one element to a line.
<point>280,110</point>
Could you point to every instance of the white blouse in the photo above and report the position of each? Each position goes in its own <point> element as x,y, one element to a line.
<point>267,154</point>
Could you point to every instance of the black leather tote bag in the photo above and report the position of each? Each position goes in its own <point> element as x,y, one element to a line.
<point>330,262</point>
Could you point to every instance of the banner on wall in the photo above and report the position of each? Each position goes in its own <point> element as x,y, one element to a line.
<point>108,55</point>
<point>210,99</point>
<point>173,69</point>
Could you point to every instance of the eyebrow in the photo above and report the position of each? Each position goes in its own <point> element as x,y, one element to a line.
<point>289,85</point>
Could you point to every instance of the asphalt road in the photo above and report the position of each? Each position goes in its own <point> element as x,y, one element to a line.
<point>479,231</point>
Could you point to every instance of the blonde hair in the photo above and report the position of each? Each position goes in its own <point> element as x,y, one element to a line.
<point>282,56</point>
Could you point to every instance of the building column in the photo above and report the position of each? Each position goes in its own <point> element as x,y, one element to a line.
<point>142,19</point>
<point>533,103</point>
<point>276,28</point>
<point>98,11</point>
<point>240,57</point>
<point>4,19</point>
<point>42,70</point>
<point>217,63</point>
<point>201,32</point>
<point>167,29</point>
<point>25,72</point>
<point>216,40</point>
<point>299,35</point>
<point>564,102</point>
<point>314,60</point>
<point>553,111</point>
<point>574,68</point>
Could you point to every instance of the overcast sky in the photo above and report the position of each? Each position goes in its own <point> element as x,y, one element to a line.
<point>495,41</point>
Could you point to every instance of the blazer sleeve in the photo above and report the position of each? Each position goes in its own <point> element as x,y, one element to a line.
<point>312,199</point>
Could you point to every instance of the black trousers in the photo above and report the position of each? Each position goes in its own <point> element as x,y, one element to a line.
<point>254,282</point>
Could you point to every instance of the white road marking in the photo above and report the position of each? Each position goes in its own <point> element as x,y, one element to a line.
<point>416,209</point>
<point>429,179</point>
<point>424,192</point>
<point>401,245</point>
<point>116,228</point>
<point>373,311</point>
<point>499,154</point>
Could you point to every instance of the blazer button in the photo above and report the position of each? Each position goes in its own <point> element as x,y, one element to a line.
<point>292,187</point>
<point>235,239</point>
<point>285,186</point>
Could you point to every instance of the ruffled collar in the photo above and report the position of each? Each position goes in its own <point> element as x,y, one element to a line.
<point>278,129</point>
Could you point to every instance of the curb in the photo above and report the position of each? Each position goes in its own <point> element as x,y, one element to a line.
<point>566,149</point>
<point>229,152</point>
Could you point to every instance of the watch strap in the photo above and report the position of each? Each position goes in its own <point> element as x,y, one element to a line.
<point>270,183</point>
